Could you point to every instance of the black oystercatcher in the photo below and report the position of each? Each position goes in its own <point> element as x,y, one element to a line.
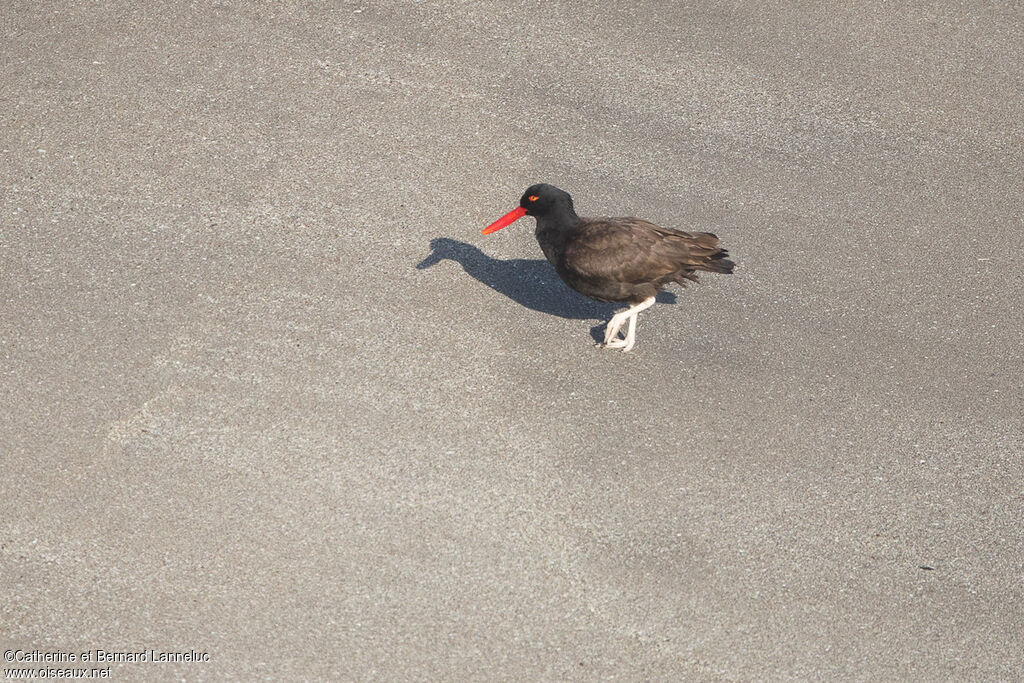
<point>614,259</point>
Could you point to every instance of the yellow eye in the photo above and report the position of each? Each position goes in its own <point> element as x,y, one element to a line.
<point>533,197</point>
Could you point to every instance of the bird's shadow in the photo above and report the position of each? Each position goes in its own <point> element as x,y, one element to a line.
<point>532,283</point>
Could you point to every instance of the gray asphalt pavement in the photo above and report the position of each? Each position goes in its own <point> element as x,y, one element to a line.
<point>267,394</point>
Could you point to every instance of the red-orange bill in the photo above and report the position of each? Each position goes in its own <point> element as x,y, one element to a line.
<point>510,217</point>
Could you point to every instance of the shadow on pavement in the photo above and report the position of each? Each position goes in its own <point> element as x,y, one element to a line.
<point>532,283</point>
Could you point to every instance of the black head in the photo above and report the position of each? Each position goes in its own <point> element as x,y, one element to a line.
<point>541,199</point>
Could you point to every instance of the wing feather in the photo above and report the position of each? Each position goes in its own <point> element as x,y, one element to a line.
<point>637,251</point>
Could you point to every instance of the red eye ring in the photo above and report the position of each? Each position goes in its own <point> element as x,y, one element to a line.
<point>533,197</point>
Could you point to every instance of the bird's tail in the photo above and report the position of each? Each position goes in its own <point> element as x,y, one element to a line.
<point>711,256</point>
<point>719,262</point>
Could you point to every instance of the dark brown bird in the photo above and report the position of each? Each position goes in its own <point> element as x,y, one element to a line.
<point>615,259</point>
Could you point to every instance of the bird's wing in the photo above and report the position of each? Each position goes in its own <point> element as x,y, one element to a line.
<point>635,250</point>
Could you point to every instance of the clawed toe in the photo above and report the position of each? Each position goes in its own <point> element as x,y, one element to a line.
<point>612,340</point>
<point>618,344</point>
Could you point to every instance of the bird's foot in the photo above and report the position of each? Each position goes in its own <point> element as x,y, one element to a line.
<point>611,333</point>
<point>612,340</point>
<point>617,343</point>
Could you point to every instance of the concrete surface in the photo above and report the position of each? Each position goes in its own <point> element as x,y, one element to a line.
<point>267,393</point>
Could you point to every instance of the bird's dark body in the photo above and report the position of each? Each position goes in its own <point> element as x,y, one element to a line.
<point>622,259</point>
<point>614,259</point>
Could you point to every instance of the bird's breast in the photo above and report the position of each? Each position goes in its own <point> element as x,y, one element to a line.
<point>552,244</point>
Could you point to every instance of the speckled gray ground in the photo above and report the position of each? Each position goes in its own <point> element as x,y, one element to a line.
<point>238,418</point>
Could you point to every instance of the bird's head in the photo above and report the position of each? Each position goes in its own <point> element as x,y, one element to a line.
<point>538,200</point>
<point>542,198</point>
